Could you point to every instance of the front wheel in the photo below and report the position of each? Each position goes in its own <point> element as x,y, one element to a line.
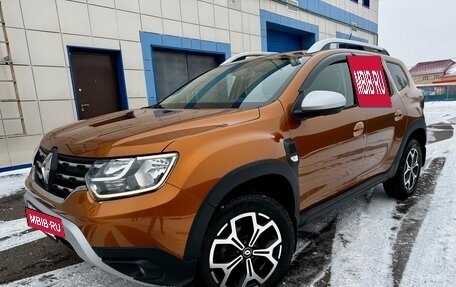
<point>405,181</point>
<point>250,243</point>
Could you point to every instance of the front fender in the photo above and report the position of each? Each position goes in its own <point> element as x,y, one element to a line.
<point>223,187</point>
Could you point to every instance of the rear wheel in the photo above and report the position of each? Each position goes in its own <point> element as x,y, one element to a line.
<point>405,181</point>
<point>250,243</point>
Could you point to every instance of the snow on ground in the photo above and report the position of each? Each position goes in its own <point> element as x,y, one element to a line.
<point>362,246</point>
<point>82,274</point>
<point>437,112</point>
<point>366,232</point>
<point>433,258</point>
<point>440,112</point>
<point>16,232</point>
<point>12,182</point>
<point>20,239</point>
<point>12,227</point>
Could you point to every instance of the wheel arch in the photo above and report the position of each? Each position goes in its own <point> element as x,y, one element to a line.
<point>254,178</point>
<point>419,134</point>
<point>416,130</point>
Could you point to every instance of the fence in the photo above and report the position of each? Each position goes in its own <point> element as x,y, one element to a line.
<point>439,92</point>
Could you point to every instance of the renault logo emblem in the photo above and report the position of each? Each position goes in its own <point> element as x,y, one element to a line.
<point>46,168</point>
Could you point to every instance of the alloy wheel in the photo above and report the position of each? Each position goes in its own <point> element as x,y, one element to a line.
<point>246,251</point>
<point>412,169</point>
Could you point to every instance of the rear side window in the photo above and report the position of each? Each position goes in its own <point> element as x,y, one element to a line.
<point>399,77</point>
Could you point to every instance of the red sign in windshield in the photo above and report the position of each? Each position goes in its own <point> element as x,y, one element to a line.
<point>369,80</point>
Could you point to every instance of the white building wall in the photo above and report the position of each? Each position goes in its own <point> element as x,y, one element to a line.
<point>40,31</point>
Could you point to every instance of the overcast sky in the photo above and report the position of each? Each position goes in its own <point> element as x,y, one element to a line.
<point>418,30</point>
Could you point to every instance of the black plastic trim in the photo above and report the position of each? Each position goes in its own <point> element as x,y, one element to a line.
<point>225,186</point>
<point>148,264</point>
<point>417,124</point>
<point>333,203</point>
<point>291,151</point>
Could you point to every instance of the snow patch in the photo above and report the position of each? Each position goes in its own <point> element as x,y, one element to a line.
<point>366,231</point>
<point>432,261</point>
<point>439,111</point>
<point>15,233</point>
<point>8,228</point>
<point>12,182</point>
<point>20,239</point>
<point>82,274</point>
<point>363,244</point>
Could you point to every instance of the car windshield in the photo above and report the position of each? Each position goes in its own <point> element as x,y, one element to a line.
<point>246,84</point>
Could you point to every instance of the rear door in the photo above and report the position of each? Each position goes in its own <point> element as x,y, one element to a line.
<point>330,148</point>
<point>386,126</point>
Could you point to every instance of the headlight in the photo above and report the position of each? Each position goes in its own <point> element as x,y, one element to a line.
<point>113,178</point>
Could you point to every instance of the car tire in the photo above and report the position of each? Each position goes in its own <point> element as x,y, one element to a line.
<point>405,181</point>
<point>258,253</point>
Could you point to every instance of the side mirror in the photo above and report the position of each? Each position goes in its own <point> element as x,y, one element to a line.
<point>319,103</point>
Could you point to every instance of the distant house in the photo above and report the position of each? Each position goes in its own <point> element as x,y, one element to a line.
<point>449,76</point>
<point>432,71</point>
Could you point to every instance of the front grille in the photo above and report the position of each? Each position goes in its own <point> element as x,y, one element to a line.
<point>68,175</point>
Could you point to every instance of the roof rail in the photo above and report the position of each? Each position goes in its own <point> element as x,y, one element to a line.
<point>325,44</point>
<point>245,55</point>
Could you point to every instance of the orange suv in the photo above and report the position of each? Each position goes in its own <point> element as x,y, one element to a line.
<point>212,183</point>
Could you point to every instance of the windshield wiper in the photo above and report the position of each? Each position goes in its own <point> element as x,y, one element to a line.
<point>156,106</point>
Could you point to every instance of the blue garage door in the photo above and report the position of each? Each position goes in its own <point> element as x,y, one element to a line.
<point>283,39</point>
<point>173,68</point>
<point>283,42</point>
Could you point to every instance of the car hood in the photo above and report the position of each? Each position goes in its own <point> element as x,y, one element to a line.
<point>139,132</point>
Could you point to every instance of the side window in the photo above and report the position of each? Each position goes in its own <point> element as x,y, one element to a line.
<point>336,78</point>
<point>399,77</point>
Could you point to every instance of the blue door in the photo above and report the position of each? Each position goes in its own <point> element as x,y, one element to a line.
<point>283,42</point>
<point>284,39</point>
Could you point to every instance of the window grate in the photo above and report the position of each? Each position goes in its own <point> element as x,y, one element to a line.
<point>292,6</point>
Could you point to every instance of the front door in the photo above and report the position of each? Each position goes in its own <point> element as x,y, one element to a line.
<point>330,148</point>
<point>95,83</point>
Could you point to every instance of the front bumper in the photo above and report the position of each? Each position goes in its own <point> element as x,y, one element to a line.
<point>144,264</point>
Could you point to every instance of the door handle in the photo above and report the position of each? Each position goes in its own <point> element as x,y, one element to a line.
<point>398,115</point>
<point>358,129</point>
<point>83,106</point>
